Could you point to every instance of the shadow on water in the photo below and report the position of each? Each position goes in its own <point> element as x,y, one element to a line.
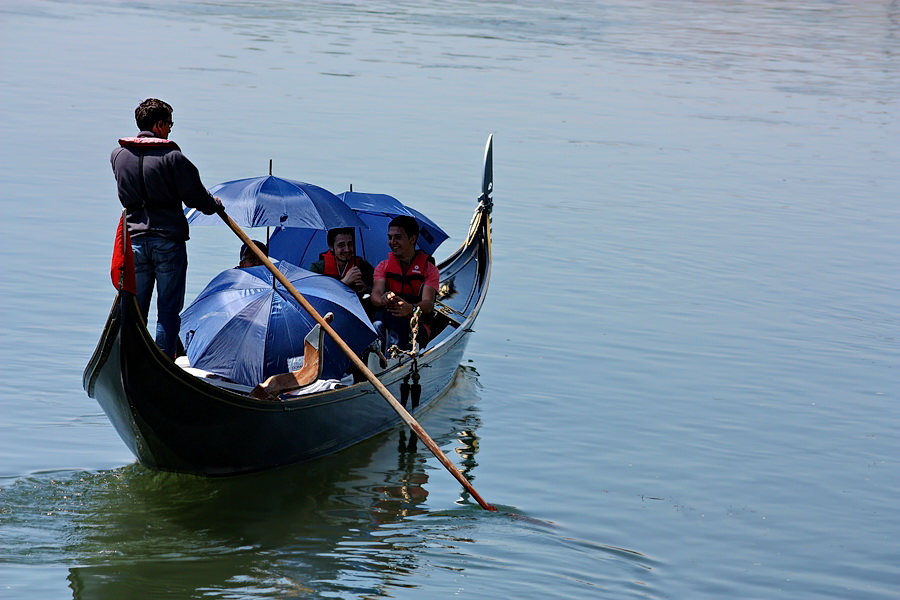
<point>345,523</point>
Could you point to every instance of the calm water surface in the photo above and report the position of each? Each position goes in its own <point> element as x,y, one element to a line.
<point>684,383</point>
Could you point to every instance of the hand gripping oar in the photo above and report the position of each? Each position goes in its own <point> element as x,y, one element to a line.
<point>407,418</point>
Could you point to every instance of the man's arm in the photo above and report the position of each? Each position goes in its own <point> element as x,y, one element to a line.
<point>190,189</point>
<point>427,301</point>
<point>429,288</point>
<point>378,288</point>
<point>379,285</point>
<point>368,276</point>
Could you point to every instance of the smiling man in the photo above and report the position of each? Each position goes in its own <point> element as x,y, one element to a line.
<point>405,280</point>
<point>341,262</point>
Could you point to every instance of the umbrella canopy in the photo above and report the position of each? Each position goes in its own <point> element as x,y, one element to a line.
<point>303,246</point>
<point>273,201</point>
<point>244,328</point>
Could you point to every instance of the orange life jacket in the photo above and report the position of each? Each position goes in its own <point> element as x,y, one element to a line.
<point>331,268</point>
<point>406,284</point>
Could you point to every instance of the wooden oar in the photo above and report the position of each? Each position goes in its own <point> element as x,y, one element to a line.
<point>407,418</point>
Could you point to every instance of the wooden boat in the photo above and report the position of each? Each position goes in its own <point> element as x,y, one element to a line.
<point>174,421</point>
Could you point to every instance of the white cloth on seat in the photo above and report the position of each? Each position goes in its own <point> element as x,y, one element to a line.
<point>185,363</point>
<point>320,385</point>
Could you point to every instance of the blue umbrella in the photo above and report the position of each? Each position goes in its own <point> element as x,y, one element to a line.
<point>303,246</point>
<point>273,201</point>
<point>244,328</point>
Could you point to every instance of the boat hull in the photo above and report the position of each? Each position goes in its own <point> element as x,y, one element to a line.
<point>174,421</point>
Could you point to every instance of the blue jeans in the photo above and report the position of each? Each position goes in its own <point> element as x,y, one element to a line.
<point>396,330</point>
<point>162,262</point>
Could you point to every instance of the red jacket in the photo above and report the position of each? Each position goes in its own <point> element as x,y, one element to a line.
<point>406,284</point>
<point>331,268</point>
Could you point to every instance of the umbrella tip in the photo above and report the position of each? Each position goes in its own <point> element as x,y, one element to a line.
<point>270,166</point>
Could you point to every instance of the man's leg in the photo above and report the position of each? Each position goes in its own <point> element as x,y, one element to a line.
<point>171,271</point>
<point>399,327</point>
<point>144,274</point>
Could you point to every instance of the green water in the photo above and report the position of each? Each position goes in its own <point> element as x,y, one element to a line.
<point>683,383</point>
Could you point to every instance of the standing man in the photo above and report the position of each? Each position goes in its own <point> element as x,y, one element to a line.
<point>154,179</point>
<point>407,279</point>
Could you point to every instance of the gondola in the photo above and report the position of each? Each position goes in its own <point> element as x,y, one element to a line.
<point>174,421</point>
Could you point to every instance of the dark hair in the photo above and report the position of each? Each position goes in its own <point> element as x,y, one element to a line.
<point>150,112</point>
<point>407,224</point>
<point>333,233</point>
<point>247,253</point>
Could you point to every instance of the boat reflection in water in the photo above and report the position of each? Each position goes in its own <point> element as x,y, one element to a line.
<point>341,524</point>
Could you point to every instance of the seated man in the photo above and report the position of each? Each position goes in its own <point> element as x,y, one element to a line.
<point>248,258</point>
<point>341,262</point>
<point>408,278</point>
